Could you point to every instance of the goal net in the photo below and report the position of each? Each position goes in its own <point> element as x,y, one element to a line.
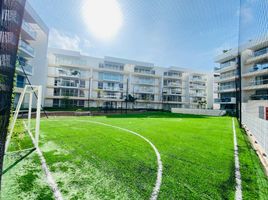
<point>26,97</point>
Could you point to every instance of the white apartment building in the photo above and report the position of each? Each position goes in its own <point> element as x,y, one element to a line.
<point>97,82</point>
<point>254,70</point>
<point>32,51</point>
<point>227,79</point>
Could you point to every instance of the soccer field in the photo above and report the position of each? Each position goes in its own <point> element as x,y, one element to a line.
<point>89,159</point>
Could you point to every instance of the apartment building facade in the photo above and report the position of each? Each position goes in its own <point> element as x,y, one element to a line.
<point>254,74</point>
<point>84,81</point>
<point>32,51</point>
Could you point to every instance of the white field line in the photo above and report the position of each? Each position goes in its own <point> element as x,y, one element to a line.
<point>50,180</point>
<point>238,187</point>
<point>157,186</point>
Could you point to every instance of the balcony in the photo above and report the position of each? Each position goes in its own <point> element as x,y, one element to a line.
<point>27,68</point>
<point>198,94</point>
<point>25,49</point>
<point>110,96</point>
<point>27,32</point>
<point>144,91</point>
<point>259,97</point>
<point>257,58</point>
<point>111,67</point>
<point>173,84</point>
<point>257,84</point>
<point>7,38</point>
<point>227,77</point>
<point>10,16</point>
<point>144,71</point>
<point>227,88</point>
<point>172,75</point>
<point>144,82</point>
<point>256,70</point>
<point>226,100</point>
<point>225,68</point>
<point>198,87</point>
<point>197,79</point>
<point>172,92</point>
<point>115,89</point>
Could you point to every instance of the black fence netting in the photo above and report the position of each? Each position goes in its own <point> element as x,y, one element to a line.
<point>253,69</point>
<point>11,13</point>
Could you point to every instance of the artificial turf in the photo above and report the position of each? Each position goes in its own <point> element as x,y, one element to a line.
<point>92,161</point>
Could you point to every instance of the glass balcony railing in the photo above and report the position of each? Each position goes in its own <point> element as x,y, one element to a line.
<point>144,91</point>
<point>144,71</point>
<point>198,79</point>
<point>147,82</point>
<point>260,52</point>
<point>258,82</point>
<point>26,67</point>
<point>225,100</point>
<point>27,28</point>
<point>198,94</point>
<point>170,84</point>
<point>226,87</point>
<point>229,75</point>
<point>112,88</point>
<point>259,97</point>
<point>26,48</point>
<point>258,67</point>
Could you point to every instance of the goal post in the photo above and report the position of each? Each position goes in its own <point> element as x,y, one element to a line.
<point>29,90</point>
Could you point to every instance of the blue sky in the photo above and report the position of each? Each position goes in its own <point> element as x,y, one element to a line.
<point>183,33</point>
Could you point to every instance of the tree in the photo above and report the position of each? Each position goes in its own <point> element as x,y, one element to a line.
<point>129,98</point>
<point>66,102</point>
<point>202,103</point>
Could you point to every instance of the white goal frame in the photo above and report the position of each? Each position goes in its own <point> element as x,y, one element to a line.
<point>28,90</point>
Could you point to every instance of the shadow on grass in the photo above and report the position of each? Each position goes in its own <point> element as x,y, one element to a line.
<point>155,115</point>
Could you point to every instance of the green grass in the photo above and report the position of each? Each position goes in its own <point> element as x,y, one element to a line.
<point>91,161</point>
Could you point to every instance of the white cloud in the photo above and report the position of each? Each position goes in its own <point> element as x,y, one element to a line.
<point>62,40</point>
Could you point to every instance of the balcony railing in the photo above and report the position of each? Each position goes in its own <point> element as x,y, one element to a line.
<point>112,88</point>
<point>258,67</point>
<point>144,91</point>
<point>258,82</point>
<point>149,82</point>
<point>198,94</point>
<point>260,52</point>
<point>229,75</point>
<point>26,67</point>
<point>26,47</point>
<point>109,67</point>
<point>231,100</point>
<point>259,97</point>
<point>172,75</point>
<point>171,84</point>
<point>27,28</point>
<point>225,65</point>
<point>198,79</point>
<point>226,87</point>
<point>142,71</point>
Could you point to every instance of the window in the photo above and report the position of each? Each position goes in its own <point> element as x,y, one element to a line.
<point>56,102</point>
<point>100,85</point>
<point>56,91</point>
<point>82,84</point>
